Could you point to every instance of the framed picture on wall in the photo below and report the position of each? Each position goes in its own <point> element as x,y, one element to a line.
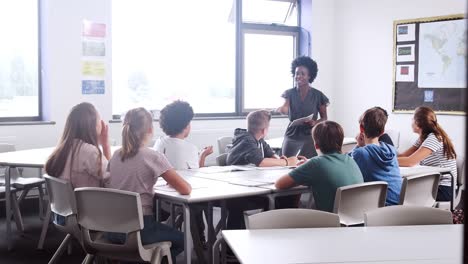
<point>429,64</point>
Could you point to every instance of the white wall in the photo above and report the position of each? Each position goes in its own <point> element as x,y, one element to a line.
<point>61,60</point>
<point>362,48</point>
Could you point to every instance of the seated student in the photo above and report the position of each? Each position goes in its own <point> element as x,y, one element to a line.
<point>432,148</point>
<point>377,159</point>
<point>327,172</point>
<point>249,147</point>
<point>175,122</point>
<point>386,138</point>
<point>136,168</point>
<point>77,157</point>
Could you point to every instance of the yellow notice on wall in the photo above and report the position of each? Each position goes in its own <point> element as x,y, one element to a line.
<point>93,68</point>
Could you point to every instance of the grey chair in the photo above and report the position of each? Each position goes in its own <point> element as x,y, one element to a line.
<point>103,210</point>
<point>420,190</point>
<point>223,142</point>
<point>353,200</point>
<point>459,189</point>
<point>292,218</point>
<point>395,136</point>
<point>62,203</point>
<point>407,215</point>
<point>221,159</point>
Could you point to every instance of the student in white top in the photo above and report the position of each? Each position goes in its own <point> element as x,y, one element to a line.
<point>175,122</point>
<point>432,148</point>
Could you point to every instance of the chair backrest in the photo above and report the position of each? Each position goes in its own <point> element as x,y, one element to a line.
<point>420,190</point>
<point>407,215</point>
<point>222,144</point>
<point>5,147</point>
<point>292,218</point>
<point>62,202</point>
<point>353,200</point>
<point>395,136</point>
<point>221,159</point>
<point>61,196</point>
<point>110,210</point>
<point>461,170</point>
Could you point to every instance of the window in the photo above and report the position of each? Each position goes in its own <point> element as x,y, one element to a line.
<point>200,52</point>
<point>265,73</point>
<point>19,61</point>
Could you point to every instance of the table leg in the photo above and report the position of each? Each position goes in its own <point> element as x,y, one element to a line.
<point>187,236</point>
<point>210,229</point>
<point>271,201</point>
<point>158,210</point>
<point>8,208</point>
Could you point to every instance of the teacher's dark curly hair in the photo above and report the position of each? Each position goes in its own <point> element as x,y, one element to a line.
<point>307,62</point>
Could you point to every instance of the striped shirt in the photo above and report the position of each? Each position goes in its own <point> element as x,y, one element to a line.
<point>437,157</point>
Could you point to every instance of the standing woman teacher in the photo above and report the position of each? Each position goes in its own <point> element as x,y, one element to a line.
<point>302,101</point>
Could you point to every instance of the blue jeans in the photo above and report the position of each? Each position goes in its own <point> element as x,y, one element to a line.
<point>154,232</point>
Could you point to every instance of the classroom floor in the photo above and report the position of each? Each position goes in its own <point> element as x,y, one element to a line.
<point>24,250</point>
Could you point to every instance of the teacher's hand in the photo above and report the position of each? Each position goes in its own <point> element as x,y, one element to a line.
<point>311,123</point>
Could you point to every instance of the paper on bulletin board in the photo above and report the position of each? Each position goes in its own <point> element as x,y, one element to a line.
<point>406,32</point>
<point>93,29</point>
<point>93,48</point>
<point>404,73</point>
<point>93,68</point>
<point>92,87</point>
<point>405,53</point>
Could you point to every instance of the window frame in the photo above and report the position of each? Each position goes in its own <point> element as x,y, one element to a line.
<point>39,117</point>
<point>243,28</point>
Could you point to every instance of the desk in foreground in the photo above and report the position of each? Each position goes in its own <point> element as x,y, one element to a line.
<point>392,244</point>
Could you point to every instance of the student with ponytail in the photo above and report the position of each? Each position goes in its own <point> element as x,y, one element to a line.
<point>77,157</point>
<point>432,148</point>
<point>136,168</point>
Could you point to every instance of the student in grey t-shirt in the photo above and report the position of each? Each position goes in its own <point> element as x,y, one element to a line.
<point>327,172</point>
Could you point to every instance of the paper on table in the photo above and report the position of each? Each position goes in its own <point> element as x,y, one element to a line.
<point>276,168</point>
<point>247,183</point>
<point>302,120</point>
<point>168,188</point>
<point>217,169</point>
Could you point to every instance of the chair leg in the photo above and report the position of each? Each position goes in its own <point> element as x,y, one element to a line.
<point>60,249</point>
<point>88,259</point>
<point>69,249</point>
<point>217,252</point>
<point>24,192</point>
<point>45,226</point>
<point>41,202</point>
<point>17,213</point>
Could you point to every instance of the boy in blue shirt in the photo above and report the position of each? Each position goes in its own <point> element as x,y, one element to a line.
<point>377,160</point>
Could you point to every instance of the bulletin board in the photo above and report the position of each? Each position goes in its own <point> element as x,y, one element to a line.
<point>429,64</point>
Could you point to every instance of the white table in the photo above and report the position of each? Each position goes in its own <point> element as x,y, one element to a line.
<point>277,143</point>
<point>207,191</point>
<point>221,186</point>
<point>394,244</point>
<point>34,158</point>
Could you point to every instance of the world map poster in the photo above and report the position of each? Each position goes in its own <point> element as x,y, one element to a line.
<point>442,54</point>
